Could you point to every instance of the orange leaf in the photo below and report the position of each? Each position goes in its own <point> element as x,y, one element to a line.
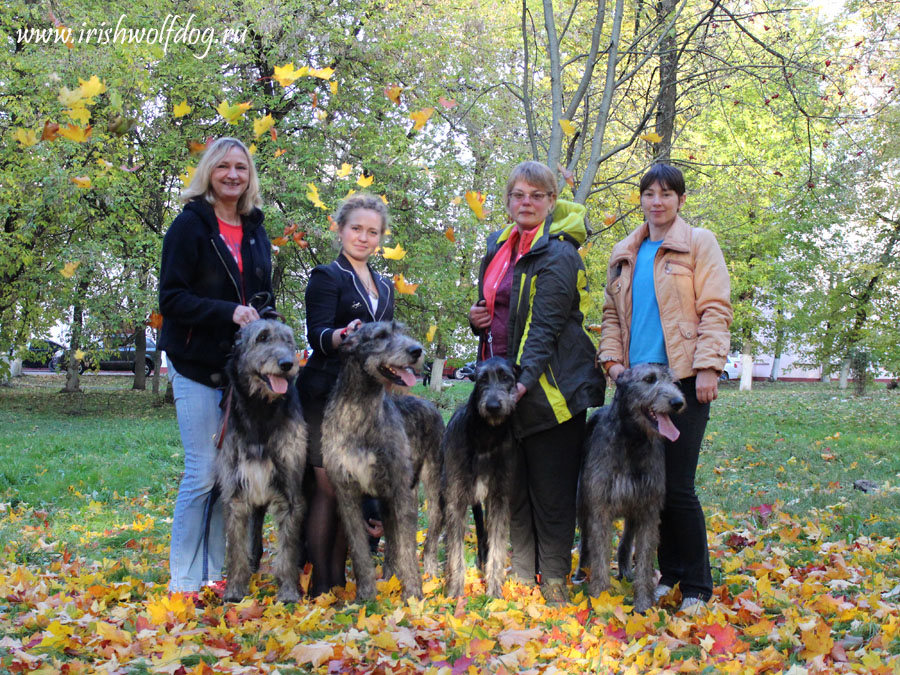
<point>51,131</point>
<point>816,639</point>
<point>421,117</point>
<point>393,93</point>
<point>475,200</point>
<point>156,320</point>
<point>450,234</point>
<point>568,175</point>
<point>279,152</point>
<point>447,104</point>
<point>196,147</point>
<point>609,220</point>
<point>403,287</point>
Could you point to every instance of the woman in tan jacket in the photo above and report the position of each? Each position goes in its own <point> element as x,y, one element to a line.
<point>667,301</point>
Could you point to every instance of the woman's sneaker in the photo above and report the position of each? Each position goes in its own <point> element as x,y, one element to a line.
<point>692,606</point>
<point>661,591</point>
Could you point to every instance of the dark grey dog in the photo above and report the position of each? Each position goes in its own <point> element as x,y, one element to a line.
<point>478,456</point>
<point>263,454</point>
<point>624,476</point>
<point>366,450</point>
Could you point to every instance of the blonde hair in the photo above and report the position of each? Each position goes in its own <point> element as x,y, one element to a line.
<point>361,200</point>
<point>534,173</point>
<point>200,186</point>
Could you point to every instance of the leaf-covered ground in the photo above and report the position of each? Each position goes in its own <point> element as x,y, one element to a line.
<point>806,568</point>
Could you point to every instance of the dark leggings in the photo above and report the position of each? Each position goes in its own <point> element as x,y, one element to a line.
<point>542,526</point>
<point>683,553</point>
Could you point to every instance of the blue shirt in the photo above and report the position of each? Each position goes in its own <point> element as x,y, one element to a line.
<point>648,344</point>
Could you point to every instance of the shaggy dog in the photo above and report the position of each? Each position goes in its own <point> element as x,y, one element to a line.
<point>263,455</point>
<point>367,450</point>
<point>624,476</point>
<point>478,455</point>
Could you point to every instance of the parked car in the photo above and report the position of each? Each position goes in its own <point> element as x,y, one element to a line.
<point>117,354</point>
<point>465,371</point>
<point>732,369</point>
<point>39,353</point>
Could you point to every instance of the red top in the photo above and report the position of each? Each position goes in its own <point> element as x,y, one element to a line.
<point>232,235</point>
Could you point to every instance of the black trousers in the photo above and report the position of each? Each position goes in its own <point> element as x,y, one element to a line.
<point>542,524</point>
<point>683,552</point>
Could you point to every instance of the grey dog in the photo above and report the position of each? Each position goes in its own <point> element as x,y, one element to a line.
<point>366,450</point>
<point>623,475</point>
<point>478,456</point>
<point>263,454</point>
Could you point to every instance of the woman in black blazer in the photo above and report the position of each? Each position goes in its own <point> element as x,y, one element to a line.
<point>340,297</point>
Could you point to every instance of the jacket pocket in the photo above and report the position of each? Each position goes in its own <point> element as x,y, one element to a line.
<point>688,331</point>
<point>681,276</point>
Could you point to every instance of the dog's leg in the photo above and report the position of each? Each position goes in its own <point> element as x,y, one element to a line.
<point>405,512</point>
<point>646,533</point>
<point>432,539</point>
<point>455,566</point>
<point>624,554</point>
<point>237,518</point>
<point>256,537</point>
<point>349,502</point>
<point>584,551</point>
<point>599,543</point>
<point>497,536</point>
<point>288,520</point>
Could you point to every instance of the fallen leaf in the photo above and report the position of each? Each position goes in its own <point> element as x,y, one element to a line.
<point>344,171</point>
<point>286,75</point>
<point>451,236</point>
<point>365,181</point>
<point>232,113</point>
<point>393,93</point>
<point>396,253</point>
<point>69,268</point>
<point>25,137</point>
<point>181,109</point>
<point>475,200</point>
<point>75,133</point>
<point>651,137</point>
<point>403,287</point>
<point>567,127</point>
<point>262,124</point>
<point>429,336</point>
<point>81,181</point>
<point>421,117</point>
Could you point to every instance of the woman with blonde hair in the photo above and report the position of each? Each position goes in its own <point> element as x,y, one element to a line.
<point>216,256</point>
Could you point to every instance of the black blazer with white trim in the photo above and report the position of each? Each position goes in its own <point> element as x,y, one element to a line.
<point>335,296</point>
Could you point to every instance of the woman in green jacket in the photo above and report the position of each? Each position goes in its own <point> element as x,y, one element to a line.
<point>532,290</point>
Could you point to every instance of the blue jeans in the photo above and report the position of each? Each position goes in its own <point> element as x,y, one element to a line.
<point>197,548</point>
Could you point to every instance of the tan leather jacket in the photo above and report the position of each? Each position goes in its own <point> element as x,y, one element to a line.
<point>693,292</point>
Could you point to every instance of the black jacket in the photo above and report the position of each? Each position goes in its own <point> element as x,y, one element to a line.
<point>200,286</point>
<point>335,296</point>
<point>546,334</point>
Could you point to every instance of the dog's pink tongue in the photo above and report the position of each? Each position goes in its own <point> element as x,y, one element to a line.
<point>666,428</point>
<point>408,377</point>
<point>278,384</point>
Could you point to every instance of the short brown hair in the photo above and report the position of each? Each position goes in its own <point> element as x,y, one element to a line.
<point>534,173</point>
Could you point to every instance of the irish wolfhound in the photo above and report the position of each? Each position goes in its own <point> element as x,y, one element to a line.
<point>263,454</point>
<point>478,455</point>
<point>624,475</point>
<point>366,450</point>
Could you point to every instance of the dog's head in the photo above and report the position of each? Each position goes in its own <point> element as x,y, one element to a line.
<point>648,393</point>
<point>494,395</point>
<point>264,362</point>
<point>384,351</point>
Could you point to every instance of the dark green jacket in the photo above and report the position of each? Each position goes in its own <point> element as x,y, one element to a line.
<point>547,338</point>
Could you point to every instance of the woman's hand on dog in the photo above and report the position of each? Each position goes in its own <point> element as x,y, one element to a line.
<point>244,314</point>
<point>338,336</point>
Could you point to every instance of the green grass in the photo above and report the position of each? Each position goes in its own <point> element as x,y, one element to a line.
<point>97,467</point>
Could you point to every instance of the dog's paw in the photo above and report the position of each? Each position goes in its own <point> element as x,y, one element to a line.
<point>597,586</point>
<point>287,595</point>
<point>641,605</point>
<point>627,575</point>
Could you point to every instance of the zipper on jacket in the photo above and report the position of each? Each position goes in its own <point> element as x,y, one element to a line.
<point>228,271</point>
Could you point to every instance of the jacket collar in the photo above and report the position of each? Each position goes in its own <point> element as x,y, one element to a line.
<point>384,289</point>
<point>678,238</point>
<point>207,214</point>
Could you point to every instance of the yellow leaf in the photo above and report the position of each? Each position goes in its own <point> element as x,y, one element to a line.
<point>181,109</point>
<point>333,86</point>
<point>56,635</point>
<point>432,329</point>
<point>262,124</point>
<point>817,640</point>
<point>232,113</point>
<point>104,165</point>
<point>396,253</point>
<point>652,137</point>
<point>285,75</point>
<point>475,200</point>
<point>420,117</point>
<point>313,196</point>
<point>78,113</point>
<point>567,127</point>
<point>79,354</point>
<point>315,653</point>
<point>69,268</point>
<point>75,133</point>
<point>252,149</point>
<point>393,93</point>
<point>81,181</point>
<point>69,96</point>
<point>25,137</point>
<point>91,88</point>
<point>403,286</point>
<point>634,198</point>
<point>456,201</point>
<point>384,199</point>
<point>279,152</point>
<point>365,181</point>
<point>450,234</point>
<point>321,73</point>
<point>350,192</point>
<point>344,171</point>
<point>383,640</point>
<point>188,175</point>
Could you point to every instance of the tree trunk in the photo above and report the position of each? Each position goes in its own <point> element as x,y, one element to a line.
<point>776,367</point>
<point>157,365</point>
<point>845,374</point>
<point>73,380</point>
<point>668,72</point>
<point>746,368</point>
<point>140,358</point>
<point>437,372</point>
